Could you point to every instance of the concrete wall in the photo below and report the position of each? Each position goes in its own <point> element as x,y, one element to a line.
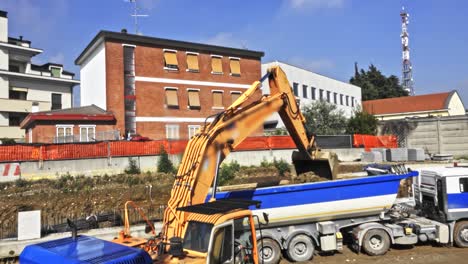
<point>447,135</point>
<point>114,165</point>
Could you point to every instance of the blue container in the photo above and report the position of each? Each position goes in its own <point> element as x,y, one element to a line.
<point>83,249</point>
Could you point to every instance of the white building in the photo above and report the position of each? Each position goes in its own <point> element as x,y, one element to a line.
<point>26,87</point>
<point>309,87</point>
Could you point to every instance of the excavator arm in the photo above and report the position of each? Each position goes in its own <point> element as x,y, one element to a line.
<point>221,134</point>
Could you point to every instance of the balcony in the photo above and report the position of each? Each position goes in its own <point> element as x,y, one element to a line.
<point>11,132</point>
<point>22,106</point>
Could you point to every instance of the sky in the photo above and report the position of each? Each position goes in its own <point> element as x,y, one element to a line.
<point>325,36</point>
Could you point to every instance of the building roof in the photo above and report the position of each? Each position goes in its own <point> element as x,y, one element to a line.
<point>3,14</point>
<point>45,68</point>
<point>87,113</point>
<point>166,43</point>
<point>409,104</point>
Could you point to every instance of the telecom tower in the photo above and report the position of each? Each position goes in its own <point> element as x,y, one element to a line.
<point>136,15</point>
<point>407,74</point>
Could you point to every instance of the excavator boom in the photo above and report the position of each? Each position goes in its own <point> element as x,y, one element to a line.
<point>226,130</point>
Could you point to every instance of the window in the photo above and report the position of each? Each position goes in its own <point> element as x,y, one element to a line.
<point>243,236</point>
<point>197,236</point>
<point>328,96</point>
<point>352,101</point>
<point>88,133</point>
<point>463,185</point>
<point>216,65</point>
<point>234,64</point>
<point>194,98</point>
<point>192,130</point>
<point>171,98</point>
<point>55,71</point>
<point>312,93</point>
<point>30,135</point>
<point>15,119</point>
<point>222,245</point>
<point>320,94</point>
<point>56,101</point>
<point>18,93</point>
<point>218,99</point>
<point>235,96</point>
<point>304,91</point>
<point>347,100</point>
<point>170,60</point>
<point>64,133</point>
<point>296,89</point>
<point>13,68</point>
<point>192,62</point>
<point>335,98</point>
<point>172,131</point>
<point>341,99</point>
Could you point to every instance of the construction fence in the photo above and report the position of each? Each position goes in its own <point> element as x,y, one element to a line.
<point>107,149</point>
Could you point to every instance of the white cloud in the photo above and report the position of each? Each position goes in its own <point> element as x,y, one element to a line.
<point>315,65</point>
<point>225,39</point>
<point>57,58</point>
<point>314,4</point>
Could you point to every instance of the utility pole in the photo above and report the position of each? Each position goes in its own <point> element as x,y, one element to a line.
<point>407,68</point>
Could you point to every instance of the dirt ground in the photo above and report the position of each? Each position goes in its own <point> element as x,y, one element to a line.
<point>424,254</point>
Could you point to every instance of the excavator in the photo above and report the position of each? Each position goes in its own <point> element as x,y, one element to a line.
<point>224,231</point>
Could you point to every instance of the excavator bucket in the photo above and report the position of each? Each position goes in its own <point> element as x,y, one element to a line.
<point>323,165</point>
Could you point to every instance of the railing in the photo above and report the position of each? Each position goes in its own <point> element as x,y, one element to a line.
<point>57,224</point>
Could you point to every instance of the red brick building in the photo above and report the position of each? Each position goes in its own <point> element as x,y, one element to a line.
<point>163,88</point>
<point>81,124</point>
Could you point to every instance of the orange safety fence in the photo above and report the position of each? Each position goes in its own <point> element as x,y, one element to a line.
<point>28,152</point>
<point>371,141</point>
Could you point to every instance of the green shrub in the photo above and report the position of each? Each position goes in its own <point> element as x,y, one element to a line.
<point>132,167</point>
<point>227,172</point>
<point>282,166</point>
<point>165,164</point>
<point>265,163</point>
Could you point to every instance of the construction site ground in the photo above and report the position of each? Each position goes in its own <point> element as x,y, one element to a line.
<point>422,254</point>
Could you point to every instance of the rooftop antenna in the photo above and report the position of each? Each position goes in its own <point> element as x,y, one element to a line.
<point>136,15</point>
<point>407,68</point>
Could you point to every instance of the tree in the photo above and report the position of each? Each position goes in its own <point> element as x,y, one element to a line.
<point>375,85</point>
<point>362,123</point>
<point>164,163</point>
<point>323,118</point>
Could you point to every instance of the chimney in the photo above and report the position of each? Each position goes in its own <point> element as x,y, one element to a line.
<point>3,26</point>
<point>124,30</point>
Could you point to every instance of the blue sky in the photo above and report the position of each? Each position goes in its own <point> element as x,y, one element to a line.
<point>326,36</point>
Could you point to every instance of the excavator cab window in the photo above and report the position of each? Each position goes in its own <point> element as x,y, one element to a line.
<point>197,236</point>
<point>222,245</point>
<point>243,241</point>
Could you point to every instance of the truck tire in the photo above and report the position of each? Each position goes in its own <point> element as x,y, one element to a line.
<point>300,248</point>
<point>269,251</point>
<point>461,234</point>
<point>376,242</point>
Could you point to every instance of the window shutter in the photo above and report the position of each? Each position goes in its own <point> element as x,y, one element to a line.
<point>170,58</point>
<point>235,67</point>
<point>218,99</point>
<point>171,97</point>
<point>234,97</point>
<point>192,62</point>
<point>216,65</point>
<point>194,99</point>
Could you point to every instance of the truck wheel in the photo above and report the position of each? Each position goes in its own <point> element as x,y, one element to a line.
<point>461,234</point>
<point>269,251</point>
<point>376,242</point>
<point>300,248</point>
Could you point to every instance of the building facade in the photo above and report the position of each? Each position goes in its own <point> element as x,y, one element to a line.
<point>310,87</point>
<point>26,87</point>
<point>425,105</point>
<point>79,124</point>
<point>162,88</point>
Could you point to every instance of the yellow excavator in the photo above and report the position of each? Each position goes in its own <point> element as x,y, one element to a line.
<point>224,231</point>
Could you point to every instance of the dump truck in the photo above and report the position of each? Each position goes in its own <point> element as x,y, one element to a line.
<point>310,217</point>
